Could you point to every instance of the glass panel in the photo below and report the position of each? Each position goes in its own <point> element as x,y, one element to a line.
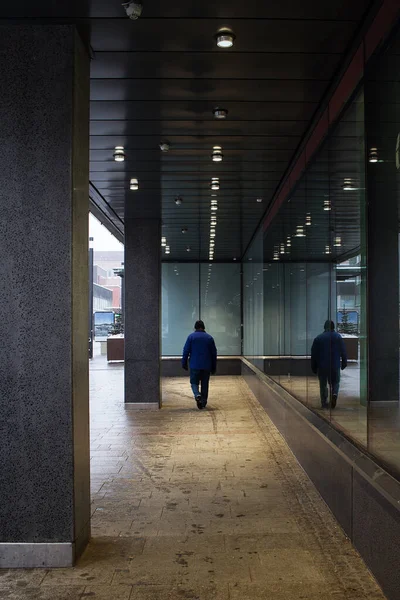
<point>220,306</point>
<point>180,305</point>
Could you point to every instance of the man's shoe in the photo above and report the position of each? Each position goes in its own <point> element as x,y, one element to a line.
<point>199,402</point>
<point>324,405</point>
<point>334,400</point>
<point>204,403</point>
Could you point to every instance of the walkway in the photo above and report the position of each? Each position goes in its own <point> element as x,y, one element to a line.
<point>199,505</point>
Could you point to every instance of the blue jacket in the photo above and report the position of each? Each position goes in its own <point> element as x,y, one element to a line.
<point>327,352</point>
<point>200,347</point>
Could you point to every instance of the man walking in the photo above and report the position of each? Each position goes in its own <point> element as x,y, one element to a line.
<point>328,356</point>
<point>200,349</point>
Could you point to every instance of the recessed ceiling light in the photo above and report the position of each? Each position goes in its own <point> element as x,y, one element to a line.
<point>178,200</point>
<point>235,259</point>
<point>215,185</point>
<point>225,38</point>
<point>338,241</point>
<point>184,229</point>
<point>308,219</point>
<point>163,241</point>
<point>188,249</point>
<point>349,185</point>
<point>133,9</point>
<point>134,184</point>
<point>300,231</point>
<point>214,208</point>
<point>327,249</point>
<point>259,200</point>
<point>327,205</point>
<point>220,113</point>
<point>119,154</point>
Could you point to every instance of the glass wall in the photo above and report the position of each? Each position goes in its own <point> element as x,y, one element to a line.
<point>303,270</point>
<point>211,292</point>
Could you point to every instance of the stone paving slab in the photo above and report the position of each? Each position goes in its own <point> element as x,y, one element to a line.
<point>199,505</point>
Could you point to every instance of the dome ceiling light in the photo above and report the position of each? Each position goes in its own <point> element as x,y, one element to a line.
<point>220,113</point>
<point>225,38</point>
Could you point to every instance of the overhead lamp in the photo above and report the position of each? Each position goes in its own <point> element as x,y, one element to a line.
<point>338,241</point>
<point>300,231</point>
<point>349,185</point>
<point>373,155</point>
<point>327,250</point>
<point>167,250</point>
<point>134,184</point>
<point>220,113</point>
<point>225,38</point>
<point>212,235</point>
<point>327,205</point>
<point>288,241</point>
<point>259,200</point>
<point>214,208</point>
<point>282,249</point>
<point>308,219</point>
<point>163,242</point>
<point>234,258</point>
<point>217,155</point>
<point>165,146</point>
<point>215,185</point>
<point>133,9</point>
<point>119,154</point>
<point>188,249</point>
<point>184,230</point>
<point>178,200</point>
<point>276,257</point>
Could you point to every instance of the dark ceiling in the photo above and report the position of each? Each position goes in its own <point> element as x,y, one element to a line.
<point>161,76</point>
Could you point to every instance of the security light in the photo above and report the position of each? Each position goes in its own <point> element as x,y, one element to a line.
<point>133,9</point>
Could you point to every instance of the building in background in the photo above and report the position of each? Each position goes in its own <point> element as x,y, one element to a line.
<point>103,274</point>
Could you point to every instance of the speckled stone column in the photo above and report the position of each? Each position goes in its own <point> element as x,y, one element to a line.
<point>142,310</point>
<point>44,432</point>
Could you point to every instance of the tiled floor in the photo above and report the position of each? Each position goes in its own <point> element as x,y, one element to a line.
<point>198,505</point>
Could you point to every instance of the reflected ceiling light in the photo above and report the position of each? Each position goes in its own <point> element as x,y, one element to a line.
<point>119,154</point>
<point>338,241</point>
<point>217,155</point>
<point>225,38</point>
<point>308,219</point>
<point>349,185</point>
<point>327,204</point>
<point>178,200</point>
<point>165,146</point>
<point>373,155</point>
<point>134,184</point>
<point>220,113</point>
<point>300,231</point>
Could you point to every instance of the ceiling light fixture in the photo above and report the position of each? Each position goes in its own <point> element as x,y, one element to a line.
<point>225,38</point>
<point>300,231</point>
<point>214,208</point>
<point>188,249</point>
<point>134,184</point>
<point>165,146</point>
<point>259,200</point>
<point>282,249</point>
<point>163,242</point>
<point>133,9</point>
<point>327,205</point>
<point>178,200</point>
<point>184,230</point>
<point>119,154</point>
<point>220,113</point>
<point>288,241</point>
<point>327,250</point>
<point>308,219</point>
<point>349,185</point>
<point>373,155</point>
<point>217,155</point>
<point>215,185</point>
<point>167,250</point>
<point>338,241</point>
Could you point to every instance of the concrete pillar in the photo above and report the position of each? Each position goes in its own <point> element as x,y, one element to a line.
<point>142,309</point>
<point>382,243</point>
<point>44,425</point>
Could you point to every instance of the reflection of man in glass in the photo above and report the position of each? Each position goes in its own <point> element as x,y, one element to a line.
<point>328,356</point>
<point>200,347</point>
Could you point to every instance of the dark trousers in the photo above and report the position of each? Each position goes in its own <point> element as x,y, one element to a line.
<point>197,377</point>
<point>333,378</point>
